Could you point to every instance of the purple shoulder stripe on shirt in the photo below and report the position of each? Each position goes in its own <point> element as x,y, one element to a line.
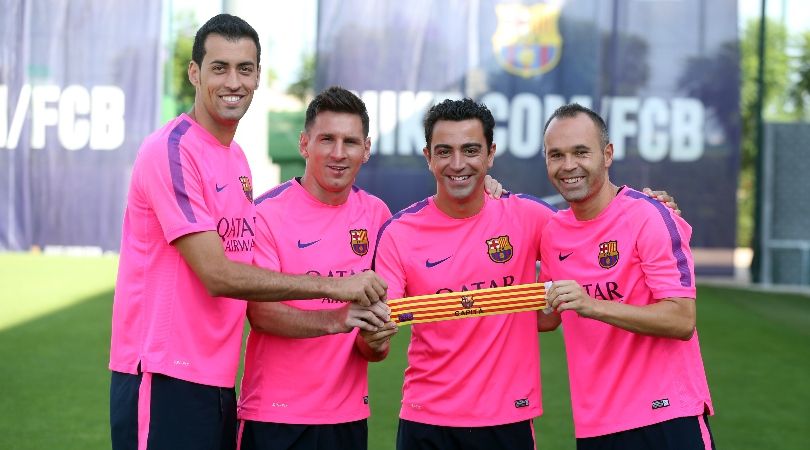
<point>674,236</point>
<point>535,199</point>
<point>275,192</point>
<point>416,207</point>
<point>176,170</point>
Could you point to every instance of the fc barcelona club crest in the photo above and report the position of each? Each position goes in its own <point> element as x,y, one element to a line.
<point>608,254</point>
<point>247,187</point>
<point>467,301</point>
<point>499,249</point>
<point>359,241</point>
<point>527,41</point>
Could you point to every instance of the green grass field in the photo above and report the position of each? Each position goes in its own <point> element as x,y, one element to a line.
<point>54,343</point>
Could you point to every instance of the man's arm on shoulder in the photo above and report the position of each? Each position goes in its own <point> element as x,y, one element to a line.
<point>493,187</point>
<point>288,321</point>
<point>669,317</point>
<point>663,197</point>
<point>225,278</point>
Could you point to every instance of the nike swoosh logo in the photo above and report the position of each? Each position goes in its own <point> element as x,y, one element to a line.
<point>562,257</point>
<point>220,188</point>
<point>430,264</point>
<point>306,244</point>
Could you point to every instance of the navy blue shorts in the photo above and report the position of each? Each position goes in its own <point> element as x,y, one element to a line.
<point>285,436</point>
<point>170,414</point>
<point>684,433</point>
<point>420,436</point>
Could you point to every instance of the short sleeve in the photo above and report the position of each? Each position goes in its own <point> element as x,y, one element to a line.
<point>174,190</point>
<point>664,253</point>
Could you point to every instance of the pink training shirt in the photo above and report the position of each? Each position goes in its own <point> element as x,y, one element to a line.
<point>477,371</point>
<point>635,252</point>
<point>183,181</point>
<point>320,380</point>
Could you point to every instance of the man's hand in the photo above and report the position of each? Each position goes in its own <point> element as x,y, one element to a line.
<point>367,318</point>
<point>663,197</point>
<point>493,187</point>
<point>374,345</point>
<point>567,295</point>
<point>364,288</point>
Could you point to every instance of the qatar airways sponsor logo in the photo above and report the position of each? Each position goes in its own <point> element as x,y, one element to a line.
<point>334,273</point>
<point>507,280</point>
<point>608,290</point>
<point>236,233</point>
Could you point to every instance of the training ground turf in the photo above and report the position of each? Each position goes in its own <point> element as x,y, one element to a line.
<point>55,331</point>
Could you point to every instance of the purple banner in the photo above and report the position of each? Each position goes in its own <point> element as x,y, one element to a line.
<point>78,93</point>
<point>664,74</point>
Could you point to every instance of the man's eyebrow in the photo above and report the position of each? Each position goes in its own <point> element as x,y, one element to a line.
<point>226,63</point>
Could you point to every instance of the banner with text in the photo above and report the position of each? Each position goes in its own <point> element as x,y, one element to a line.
<point>664,74</point>
<point>78,93</point>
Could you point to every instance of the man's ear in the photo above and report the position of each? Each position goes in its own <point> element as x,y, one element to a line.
<point>194,73</point>
<point>366,150</point>
<point>609,155</point>
<point>303,142</point>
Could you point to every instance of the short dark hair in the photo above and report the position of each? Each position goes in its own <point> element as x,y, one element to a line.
<point>339,100</point>
<point>571,110</point>
<point>231,28</point>
<point>458,110</point>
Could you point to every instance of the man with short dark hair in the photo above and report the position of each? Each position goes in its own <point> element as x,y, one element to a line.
<point>187,244</point>
<point>305,384</point>
<point>471,383</point>
<point>624,289</point>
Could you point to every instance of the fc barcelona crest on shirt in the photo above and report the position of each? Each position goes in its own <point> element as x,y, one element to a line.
<point>527,41</point>
<point>467,301</point>
<point>608,254</point>
<point>359,241</point>
<point>499,249</point>
<point>247,188</point>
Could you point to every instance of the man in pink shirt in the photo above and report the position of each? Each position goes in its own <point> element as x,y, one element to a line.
<point>471,383</point>
<point>187,244</point>
<point>305,384</point>
<point>321,225</point>
<point>624,289</point>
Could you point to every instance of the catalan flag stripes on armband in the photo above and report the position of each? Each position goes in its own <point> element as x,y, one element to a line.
<point>460,305</point>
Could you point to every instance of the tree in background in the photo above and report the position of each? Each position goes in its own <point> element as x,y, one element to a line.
<point>800,91</point>
<point>303,87</point>
<point>177,85</point>
<point>776,106</point>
